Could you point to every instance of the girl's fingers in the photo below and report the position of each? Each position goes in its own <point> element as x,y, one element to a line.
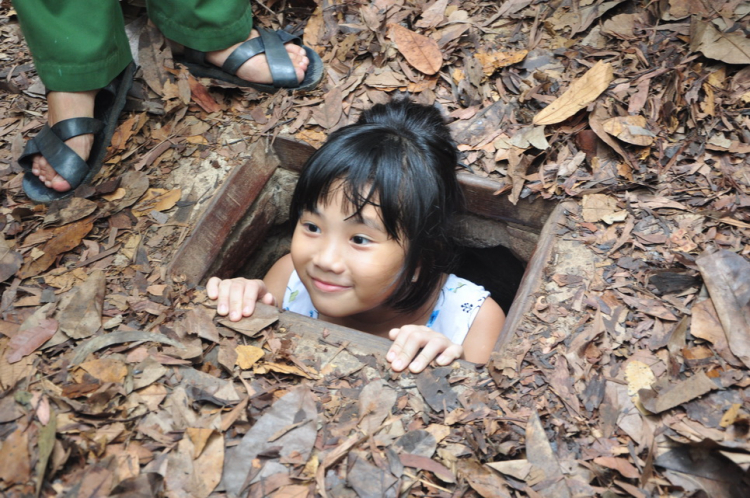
<point>239,292</point>
<point>253,290</point>
<point>212,287</point>
<point>409,341</point>
<point>235,297</point>
<point>428,353</point>
<point>269,299</point>
<point>451,353</point>
<point>222,298</point>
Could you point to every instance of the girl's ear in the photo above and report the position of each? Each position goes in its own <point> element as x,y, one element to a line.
<point>416,274</point>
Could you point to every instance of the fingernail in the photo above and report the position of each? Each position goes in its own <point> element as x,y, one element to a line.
<point>234,316</point>
<point>389,356</point>
<point>222,309</point>
<point>398,365</point>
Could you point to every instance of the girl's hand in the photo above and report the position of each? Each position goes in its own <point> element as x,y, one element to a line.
<point>236,297</point>
<point>409,339</point>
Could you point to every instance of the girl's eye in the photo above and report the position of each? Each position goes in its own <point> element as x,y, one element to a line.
<point>311,227</point>
<point>360,240</point>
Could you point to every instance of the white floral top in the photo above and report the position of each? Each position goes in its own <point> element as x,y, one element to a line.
<point>457,306</point>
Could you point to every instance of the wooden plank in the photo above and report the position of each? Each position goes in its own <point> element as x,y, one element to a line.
<point>247,237</point>
<point>315,329</point>
<point>292,154</point>
<point>532,278</point>
<point>481,200</point>
<point>310,329</point>
<point>227,207</point>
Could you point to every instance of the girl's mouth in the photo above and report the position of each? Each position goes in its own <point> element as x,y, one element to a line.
<point>327,287</point>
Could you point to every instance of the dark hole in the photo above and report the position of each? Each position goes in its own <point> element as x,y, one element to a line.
<point>496,269</point>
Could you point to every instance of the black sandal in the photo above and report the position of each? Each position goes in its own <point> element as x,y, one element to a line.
<point>50,142</point>
<point>272,44</point>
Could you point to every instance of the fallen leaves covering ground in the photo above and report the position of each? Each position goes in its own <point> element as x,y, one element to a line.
<point>116,381</point>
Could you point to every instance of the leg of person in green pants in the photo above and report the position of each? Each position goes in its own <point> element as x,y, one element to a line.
<point>74,59</point>
<point>79,46</point>
<point>216,28</point>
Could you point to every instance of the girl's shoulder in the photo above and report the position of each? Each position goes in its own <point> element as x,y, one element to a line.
<point>454,285</point>
<point>278,276</point>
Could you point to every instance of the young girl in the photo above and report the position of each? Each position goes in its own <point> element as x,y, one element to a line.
<point>371,248</point>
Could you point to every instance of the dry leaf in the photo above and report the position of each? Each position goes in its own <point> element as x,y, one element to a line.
<point>705,324</point>
<point>296,406</point>
<point>727,276</point>
<point>65,239</point>
<point>420,51</point>
<point>630,129</point>
<point>16,465</point>
<point>10,261</point>
<point>492,61</point>
<point>598,206</point>
<point>280,368</point>
<point>27,341</point>
<point>666,394</point>
<point>625,468</point>
<point>106,369</point>
<point>157,199</point>
<point>581,93</point>
<point>80,312</point>
<point>515,468</point>
<point>264,316</point>
<point>482,480</point>
<point>705,37</point>
<point>638,376</point>
<point>247,356</point>
<point>200,95</point>
<point>199,437</point>
<point>329,114</point>
<point>539,453</point>
<point>69,211</point>
<point>433,15</point>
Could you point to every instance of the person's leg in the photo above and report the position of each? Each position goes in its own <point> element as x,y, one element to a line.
<point>218,27</point>
<point>78,47</point>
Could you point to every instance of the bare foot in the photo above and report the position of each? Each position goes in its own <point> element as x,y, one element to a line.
<point>256,68</point>
<point>66,105</point>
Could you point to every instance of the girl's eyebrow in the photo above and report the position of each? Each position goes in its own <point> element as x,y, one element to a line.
<point>373,223</point>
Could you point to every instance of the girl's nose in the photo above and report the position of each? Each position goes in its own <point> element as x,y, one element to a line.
<point>328,258</point>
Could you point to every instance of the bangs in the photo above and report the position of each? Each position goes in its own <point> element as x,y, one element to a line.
<point>377,174</point>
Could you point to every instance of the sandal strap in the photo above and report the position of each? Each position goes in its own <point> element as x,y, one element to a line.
<point>50,143</point>
<point>64,130</point>
<point>279,62</point>
<point>73,127</point>
<point>63,159</point>
<point>243,53</point>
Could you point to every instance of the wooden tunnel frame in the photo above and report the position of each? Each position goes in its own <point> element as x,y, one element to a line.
<point>236,221</point>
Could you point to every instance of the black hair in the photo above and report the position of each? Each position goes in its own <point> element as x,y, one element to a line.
<point>402,154</point>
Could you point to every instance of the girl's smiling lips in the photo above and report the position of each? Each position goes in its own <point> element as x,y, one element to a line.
<point>327,286</point>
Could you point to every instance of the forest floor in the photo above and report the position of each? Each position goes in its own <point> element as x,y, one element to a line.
<point>116,380</point>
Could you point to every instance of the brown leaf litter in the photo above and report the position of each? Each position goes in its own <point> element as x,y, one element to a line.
<point>629,377</point>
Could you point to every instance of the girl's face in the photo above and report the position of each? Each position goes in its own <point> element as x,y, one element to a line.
<point>348,263</point>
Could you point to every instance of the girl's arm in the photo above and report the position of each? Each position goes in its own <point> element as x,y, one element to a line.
<point>415,346</point>
<point>484,332</point>
<point>236,297</point>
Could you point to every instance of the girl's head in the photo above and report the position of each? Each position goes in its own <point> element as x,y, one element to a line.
<point>400,158</point>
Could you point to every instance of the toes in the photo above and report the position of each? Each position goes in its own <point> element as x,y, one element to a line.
<point>58,183</point>
<point>47,175</point>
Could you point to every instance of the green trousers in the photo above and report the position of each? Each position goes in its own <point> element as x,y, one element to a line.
<point>80,45</point>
